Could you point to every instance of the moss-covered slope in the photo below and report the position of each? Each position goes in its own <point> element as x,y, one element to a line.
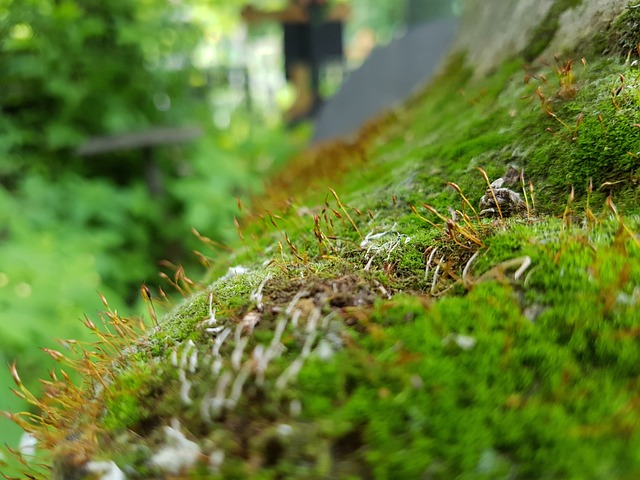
<point>374,323</point>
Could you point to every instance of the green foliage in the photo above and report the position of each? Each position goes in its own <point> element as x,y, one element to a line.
<point>55,255</point>
<point>389,17</point>
<point>59,59</point>
<point>74,226</point>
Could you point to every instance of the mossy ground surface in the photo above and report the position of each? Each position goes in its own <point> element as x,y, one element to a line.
<point>370,339</point>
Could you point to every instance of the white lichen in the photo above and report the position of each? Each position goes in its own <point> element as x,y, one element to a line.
<point>312,320</point>
<point>27,445</point>
<point>185,387</point>
<point>250,320</point>
<point>429,260</point>
<point>212,406</point>
<point>294,368</point>
<point>106,470</point>
<point>211,319</point>
<point>215,350</point>
<point>376,248</point>
<point>188,363</point>
<point>216,458</point>
<point>434,284</point>
<point>295,408</point>
<point>284,430</point>
<point>256,296</point>
<point>324,351</point>
<point>178,453</point>
<point>238,383</point>
<point>216,367</point>
<point>235,271</point>
<point>174,358</point>
<point>296,298</point>
<point>236,355</point>
<point>464,342</point>
<point>295,317</point>
<point>189,358</point>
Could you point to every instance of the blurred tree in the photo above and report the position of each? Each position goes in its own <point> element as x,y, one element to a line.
<point>418,11</point>
<point>384,19</point>
<point>389,17</point>
<point>76,68</point>
<point>70,70</point>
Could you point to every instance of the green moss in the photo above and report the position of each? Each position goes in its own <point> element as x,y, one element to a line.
<point>378,373</point>
<point>230,294</point>
<point>592,137</point>
<point>129,400</point>
<point>427,405</point>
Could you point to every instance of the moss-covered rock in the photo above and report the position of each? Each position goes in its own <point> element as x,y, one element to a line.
<point>380,325</point>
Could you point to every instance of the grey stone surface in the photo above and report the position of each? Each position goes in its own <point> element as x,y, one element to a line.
<point>489,32</point>
<point>387,77</point>
<point>582,22</point>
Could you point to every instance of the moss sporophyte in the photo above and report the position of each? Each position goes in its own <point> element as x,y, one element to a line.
<point>457,298</point>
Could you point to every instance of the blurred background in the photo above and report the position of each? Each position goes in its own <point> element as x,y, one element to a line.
<point>123,124</point>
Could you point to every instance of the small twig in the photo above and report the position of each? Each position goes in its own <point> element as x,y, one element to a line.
<point>344,210</point>
<point>493,194</point>
<point>414,210</point>
<point>465,271</point>
<point>526,263</point>
<point>146,296</point>
<point>464,199</point>
<point>426,270</point>
<point>566,219</point>
<point>524,191</point>
<point>435,276</point>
